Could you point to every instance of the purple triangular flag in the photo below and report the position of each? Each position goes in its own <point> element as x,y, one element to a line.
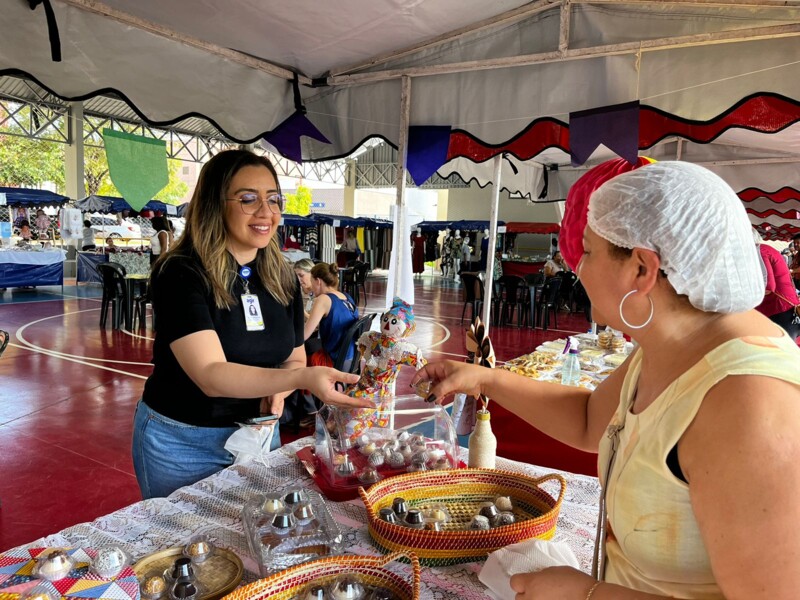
<point>427,150</point>
<point>616,127</point>
<point>285,138</point>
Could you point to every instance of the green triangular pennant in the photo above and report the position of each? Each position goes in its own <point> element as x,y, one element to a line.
<point>137,166</point>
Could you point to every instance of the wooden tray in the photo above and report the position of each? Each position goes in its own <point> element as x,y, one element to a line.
<point>219,574</point>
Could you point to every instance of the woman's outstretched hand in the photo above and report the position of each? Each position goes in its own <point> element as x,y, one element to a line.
<point>449,376</point>
<point>321,381</point>
<point>556,583</point>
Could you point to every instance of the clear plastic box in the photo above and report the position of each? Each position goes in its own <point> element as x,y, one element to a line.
<point>359,448</point>
<point>290,528</point>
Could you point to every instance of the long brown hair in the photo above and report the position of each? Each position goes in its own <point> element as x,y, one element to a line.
<point>206,237</point>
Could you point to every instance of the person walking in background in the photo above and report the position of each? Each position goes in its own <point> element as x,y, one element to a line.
<point>162,240</point>
<point>780,296</point>
<point>87,241</point>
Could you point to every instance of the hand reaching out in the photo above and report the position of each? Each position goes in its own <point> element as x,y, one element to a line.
<point>321,382</point>
<point>449,376</point>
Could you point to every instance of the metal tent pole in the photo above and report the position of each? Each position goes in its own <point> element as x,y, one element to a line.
<point>402,153</point>
<point>488,285</point>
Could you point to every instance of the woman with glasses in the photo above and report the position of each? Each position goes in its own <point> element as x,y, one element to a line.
<point>229,343</point>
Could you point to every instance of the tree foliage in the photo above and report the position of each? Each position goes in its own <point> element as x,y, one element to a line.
<point>299,203</point>
<point>25,162</point>
<point>98,181</point>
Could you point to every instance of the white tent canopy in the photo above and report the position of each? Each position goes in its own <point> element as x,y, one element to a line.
<point>232,62</point>
<point>487,68</point>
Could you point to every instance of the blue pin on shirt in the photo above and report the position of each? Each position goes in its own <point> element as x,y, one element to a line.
<point>245,273</point>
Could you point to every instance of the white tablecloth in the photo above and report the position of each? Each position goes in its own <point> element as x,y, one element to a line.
<point>212,507</point>
<point>294,255</point>
<point>33,257</point>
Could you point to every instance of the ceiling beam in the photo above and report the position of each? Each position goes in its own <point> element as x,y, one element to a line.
<point>655,45</point>
<point>505,18</point>
<point>98,8</point>
<point>709,3</point>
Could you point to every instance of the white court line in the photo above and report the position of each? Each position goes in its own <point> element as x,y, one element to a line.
<point>449,353</point>
<point>80,362</point>
<point>446,330</point>
<point>56,353</point>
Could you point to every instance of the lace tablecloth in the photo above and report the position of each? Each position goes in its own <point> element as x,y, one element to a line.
<point>212,507</point>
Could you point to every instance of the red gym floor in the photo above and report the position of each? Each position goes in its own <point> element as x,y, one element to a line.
<point>68,390</point>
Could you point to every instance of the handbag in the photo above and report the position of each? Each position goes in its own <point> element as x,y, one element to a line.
<point>796,320</point>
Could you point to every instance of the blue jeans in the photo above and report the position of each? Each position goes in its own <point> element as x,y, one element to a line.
<point>168,454</point>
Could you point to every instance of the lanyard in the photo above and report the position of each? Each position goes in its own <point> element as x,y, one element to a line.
<point>245,273</point>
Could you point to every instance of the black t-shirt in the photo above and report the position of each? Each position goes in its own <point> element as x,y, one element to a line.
<point>183,304</point>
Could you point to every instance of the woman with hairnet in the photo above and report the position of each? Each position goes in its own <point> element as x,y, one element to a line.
<point>697,431</point>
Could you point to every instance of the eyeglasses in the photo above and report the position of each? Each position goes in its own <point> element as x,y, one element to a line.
<point>251,203</point>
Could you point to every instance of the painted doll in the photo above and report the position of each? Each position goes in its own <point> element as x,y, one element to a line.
<point>384,352</point>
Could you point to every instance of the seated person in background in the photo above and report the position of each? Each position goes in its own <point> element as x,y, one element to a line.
<point>555,265</point>
<point>302,268</point>
<point>87,242</point>
<point>110,247</point>
<point>333,311</point>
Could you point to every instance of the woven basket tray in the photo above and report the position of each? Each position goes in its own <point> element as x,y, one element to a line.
<point>372,570</point>
<point>462,491</point>
<point>218,574</point>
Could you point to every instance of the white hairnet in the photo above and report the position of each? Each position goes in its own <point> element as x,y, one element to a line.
<point>696,224</point>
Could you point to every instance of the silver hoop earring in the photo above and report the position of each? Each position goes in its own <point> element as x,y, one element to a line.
<point>624,320</point>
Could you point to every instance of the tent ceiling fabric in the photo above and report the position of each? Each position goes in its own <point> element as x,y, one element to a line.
<point>167,79</point>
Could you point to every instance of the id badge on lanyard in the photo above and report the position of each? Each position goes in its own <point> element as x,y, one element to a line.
<point>253,319</point>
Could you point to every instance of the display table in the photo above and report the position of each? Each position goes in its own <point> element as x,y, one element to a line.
<point>520,268</point>
<point>31,267</point>
<point>212,507</point>
<point>134,263</point>
<point>87,267</point>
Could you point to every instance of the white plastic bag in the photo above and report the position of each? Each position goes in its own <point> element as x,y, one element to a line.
<point>251,441</point>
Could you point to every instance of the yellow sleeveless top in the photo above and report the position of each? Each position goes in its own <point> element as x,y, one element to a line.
<point>656,545</point>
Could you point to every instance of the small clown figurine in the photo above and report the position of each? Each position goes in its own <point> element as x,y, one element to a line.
<point>384,352</point>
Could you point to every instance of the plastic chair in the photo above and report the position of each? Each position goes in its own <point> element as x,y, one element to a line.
<point>548,303</point>
<point>515,297</point>
<point>580,299</point>
<point>565,294</point>
<point>472,293</point>
<point>140,303</point>
<point>114,288</point>
<point>349,339</point>
<point>361,270</point>
<point>348,283</point>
